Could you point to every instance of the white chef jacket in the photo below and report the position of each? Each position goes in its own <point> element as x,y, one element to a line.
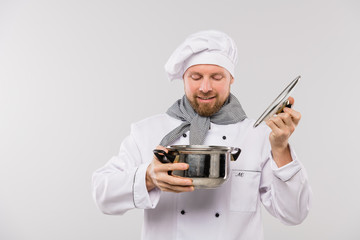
<point>231,211</point>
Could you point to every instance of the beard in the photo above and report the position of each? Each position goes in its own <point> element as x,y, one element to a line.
<point>206,109</point>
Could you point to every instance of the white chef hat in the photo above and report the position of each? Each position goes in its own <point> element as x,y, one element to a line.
<point>205,47</point>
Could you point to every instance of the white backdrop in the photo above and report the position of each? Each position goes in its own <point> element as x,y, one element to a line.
<point>75,74</point>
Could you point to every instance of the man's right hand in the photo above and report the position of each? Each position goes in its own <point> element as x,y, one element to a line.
<point>157,176</point>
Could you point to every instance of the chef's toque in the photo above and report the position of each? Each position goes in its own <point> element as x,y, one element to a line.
<point>205,47</point>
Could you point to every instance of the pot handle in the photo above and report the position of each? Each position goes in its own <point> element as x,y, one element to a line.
<point>236,154</point>
<point>161,154</point>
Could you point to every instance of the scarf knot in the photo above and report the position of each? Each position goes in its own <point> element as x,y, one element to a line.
<point>231,112</point>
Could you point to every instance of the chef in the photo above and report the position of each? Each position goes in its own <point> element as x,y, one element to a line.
<point>267,172</point>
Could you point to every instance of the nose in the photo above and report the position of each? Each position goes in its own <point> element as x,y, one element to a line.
<point>205,85</point>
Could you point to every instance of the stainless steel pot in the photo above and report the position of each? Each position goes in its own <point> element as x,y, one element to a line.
<point>209,166</point>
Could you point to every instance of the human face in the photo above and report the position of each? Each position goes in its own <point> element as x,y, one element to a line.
<point>207,87</point>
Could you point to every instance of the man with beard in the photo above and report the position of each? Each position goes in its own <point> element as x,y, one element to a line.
<point>266,172</point>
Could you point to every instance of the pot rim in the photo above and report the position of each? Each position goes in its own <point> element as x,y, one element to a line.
<point>200,148</point>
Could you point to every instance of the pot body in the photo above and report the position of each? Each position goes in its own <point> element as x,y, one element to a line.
<point>209,166</point>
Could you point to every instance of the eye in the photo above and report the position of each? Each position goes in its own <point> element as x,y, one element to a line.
<point>195,76</point>
<point>217,76</point>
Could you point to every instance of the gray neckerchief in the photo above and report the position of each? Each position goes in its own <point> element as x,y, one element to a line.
<point>230,113</point>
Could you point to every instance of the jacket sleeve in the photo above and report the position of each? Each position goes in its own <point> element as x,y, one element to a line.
<point>285,191</point>
<point>120,185</point>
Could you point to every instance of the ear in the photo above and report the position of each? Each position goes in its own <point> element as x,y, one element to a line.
<point>231,80</point>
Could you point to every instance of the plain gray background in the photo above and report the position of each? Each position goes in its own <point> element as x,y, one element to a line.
<point>75,74</point>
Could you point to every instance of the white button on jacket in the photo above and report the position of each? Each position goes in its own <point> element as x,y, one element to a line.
<point>231,211</point>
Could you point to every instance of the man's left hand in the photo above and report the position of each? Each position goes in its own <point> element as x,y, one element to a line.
<point>282,126</point>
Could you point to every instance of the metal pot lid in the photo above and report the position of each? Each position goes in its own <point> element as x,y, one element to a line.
<point>278,103</point>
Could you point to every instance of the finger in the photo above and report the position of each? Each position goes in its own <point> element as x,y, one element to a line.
<point>285,124</point>
<point>177,189</point>
<point>172,182</point>
<point>279,129</point>
<point>291,100</point>
<point>285,117</point>
<point>277,120</point>
<point>177,180</point>
<point>165,167</point>
<point>167,189</point>
<point>288,121</point>
<point>296,116</point>
<point>275,129</point>
<point>162,180</point>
